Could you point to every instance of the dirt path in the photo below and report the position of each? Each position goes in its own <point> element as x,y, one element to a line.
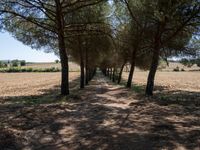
<point>102,116</point>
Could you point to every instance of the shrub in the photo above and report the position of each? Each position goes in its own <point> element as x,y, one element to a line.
<point>186,62</point>
<point>176,69</point>
<point>29,70</point>
<point>23,70</point>
<point>182,69</point>
<point>3,64</point>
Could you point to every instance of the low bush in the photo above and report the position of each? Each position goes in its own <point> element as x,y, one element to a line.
<point>176,69</point>
<point>182,69</point>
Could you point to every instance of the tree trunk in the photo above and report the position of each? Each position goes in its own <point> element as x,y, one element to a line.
<point>152,72</point>
<point>62,50</point>
<point>113,75</point>
<point>120,73</point>
<point>107,71</point>
<point>86,67</point>
<point>154,63</point>
<point>130,77</point>
<point>82,78</point>
<point>110,73</point>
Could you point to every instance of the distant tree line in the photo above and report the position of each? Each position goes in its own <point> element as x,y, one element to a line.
<point>28,69</point>
<point>190,62</point>
<point>12,63</point>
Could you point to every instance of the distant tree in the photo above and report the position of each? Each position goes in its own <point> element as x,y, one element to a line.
<point>22,63</point>
<point>57,61</point>
<point>1,64</point>
<point>15,63</point>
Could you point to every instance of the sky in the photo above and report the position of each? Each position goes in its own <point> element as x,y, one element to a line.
<point>11,49</point>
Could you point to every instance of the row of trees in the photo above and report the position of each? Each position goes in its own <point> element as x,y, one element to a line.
<point>190,62</point>
<point>13,63</point>
<point>153,30</point>
<point>105,33</point>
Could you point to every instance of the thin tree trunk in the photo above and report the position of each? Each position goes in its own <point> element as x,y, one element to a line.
<point>82,78</point>
<point>113,75</point>
<point>86,67</point>
<point>62,50</point>
<point>107,71</point>
<point>120,73</point>
<point>130,77</point>
<point>110,73</point>
<point>90,74</point>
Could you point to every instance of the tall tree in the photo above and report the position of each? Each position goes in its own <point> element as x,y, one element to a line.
<point>169,19</point>
<point>47,17</point>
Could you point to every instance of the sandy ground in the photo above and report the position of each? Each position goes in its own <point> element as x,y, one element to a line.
<point>27,84</point>
<point>186,81</point>
<point>103,116</point>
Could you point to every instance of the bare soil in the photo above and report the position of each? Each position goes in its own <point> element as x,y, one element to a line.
<point>102,116</point>
<point>29,84</point>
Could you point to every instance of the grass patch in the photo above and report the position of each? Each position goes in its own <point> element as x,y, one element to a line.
<point>138,88</point>
<point>135,87</point>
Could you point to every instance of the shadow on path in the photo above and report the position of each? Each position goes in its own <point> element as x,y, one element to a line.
<point>102,116</point>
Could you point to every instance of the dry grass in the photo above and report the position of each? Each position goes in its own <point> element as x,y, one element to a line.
<point>26,84</point>
<point>187,81</point>
<point>43,65</point>
<point>72,66</point>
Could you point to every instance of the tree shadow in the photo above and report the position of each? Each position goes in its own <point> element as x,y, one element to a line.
<point>104,117</point>
<point>178,97</point>
<point>8,140</point>
<point>174,117</point>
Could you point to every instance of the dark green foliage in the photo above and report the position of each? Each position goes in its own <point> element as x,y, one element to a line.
<point>15,63</point>
<point>57,61</point>
<point>187,62</point>
<point>1,64</point>
<point>22,63</point>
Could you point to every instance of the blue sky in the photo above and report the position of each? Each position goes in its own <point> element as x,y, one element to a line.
<point>10,49</point>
